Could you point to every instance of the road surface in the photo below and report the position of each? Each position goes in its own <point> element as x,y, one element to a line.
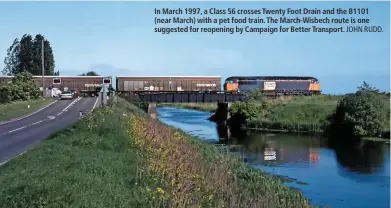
<point>18,136</point>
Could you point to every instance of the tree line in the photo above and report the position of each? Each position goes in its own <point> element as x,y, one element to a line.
<point>25,55</point>
<point>23,61</point>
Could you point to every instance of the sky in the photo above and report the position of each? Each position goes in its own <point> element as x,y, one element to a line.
<point>118,38</point>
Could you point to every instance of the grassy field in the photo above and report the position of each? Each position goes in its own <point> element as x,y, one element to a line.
<point>118,157</point>
<point>295,114</point>
<point>20,108</point>
<point>309,114</point>
<point>208,107</point>
<point>302,113</point>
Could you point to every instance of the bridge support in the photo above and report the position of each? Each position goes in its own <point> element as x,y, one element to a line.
<point>152,110</point>
<point>221,117</point>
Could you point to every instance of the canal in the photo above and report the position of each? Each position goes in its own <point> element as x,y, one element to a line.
<point>339,178</point>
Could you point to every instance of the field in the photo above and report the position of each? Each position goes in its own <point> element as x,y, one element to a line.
<point>20,108</point>
<point>118,157</point>
<point>208,107</point>
<point>294,114</point>
<point>307,114</point>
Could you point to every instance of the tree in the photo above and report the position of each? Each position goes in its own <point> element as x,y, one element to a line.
<point>90,73</point>
<point>12,61</point>
<point>26,56</point>
<point>49,64</point>
<point>365,87</point>
<point>360,114</point>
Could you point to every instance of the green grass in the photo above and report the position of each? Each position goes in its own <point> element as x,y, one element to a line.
<point>20,108</point>
<point>293,114</point>
<point>94,164</point>
<point>207,107</point>
<point>376,139</point>
<point>90,164</point>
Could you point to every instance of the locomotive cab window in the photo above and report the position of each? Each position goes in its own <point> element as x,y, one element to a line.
<point>106,81</point>
<point>56,81</point>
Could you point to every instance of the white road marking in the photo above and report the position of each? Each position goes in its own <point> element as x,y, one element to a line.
<point>59,113</point>
<point>12,158</point>
<point>37,122</point>
<point>17,129</point>
<point>96,102</point>
<point>73,102</point>
<point>51,117</point>
<point>2,123</point>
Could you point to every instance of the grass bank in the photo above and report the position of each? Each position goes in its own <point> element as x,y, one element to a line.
<point>305,114</point>
<point>297,114</point>
<point>207,107</point>
<point>20,108</point>
<point>118,157</point>
<point>294,113</point>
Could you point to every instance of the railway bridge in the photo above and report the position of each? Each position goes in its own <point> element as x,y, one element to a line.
<point>222,99</point>
<point>182,97</point>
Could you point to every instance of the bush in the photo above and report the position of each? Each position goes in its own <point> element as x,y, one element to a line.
<point>5,94</point>
<point>249,110</point>
<point>22,87</point>
<point>360,114</point>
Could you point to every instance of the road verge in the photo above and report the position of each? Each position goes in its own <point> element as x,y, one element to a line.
<point>117,156</point>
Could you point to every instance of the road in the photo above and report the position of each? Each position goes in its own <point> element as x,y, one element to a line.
<point>18,136</point>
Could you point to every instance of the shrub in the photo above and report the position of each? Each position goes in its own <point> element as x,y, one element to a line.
<point>249,110</point>
<point>22,87</point>
<point>360,114</point>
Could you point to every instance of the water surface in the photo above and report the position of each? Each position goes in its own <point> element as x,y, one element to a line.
<point>341,178</point>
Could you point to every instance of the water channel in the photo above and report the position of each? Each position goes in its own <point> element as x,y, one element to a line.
<point>337,178</point>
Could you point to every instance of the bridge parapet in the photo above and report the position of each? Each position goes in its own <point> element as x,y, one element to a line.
<point>183,97</point>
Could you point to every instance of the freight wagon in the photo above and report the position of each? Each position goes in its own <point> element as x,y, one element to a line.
<point>168,83</point>
<point>273,85</point>
<point>84,84</point>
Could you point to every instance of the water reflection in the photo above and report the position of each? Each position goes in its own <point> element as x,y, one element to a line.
<point>276,149</point>
<point>339,176</point>
<point>366,158</point>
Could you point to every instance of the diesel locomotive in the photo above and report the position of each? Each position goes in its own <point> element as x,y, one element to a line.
<point>273,85</point>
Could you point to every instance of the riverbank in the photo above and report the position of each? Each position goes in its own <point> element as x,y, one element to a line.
<point>303,159</point>
<point>304,114</point>
<point>20,108</point>
<point>117,156</point>
<point>207,107</point>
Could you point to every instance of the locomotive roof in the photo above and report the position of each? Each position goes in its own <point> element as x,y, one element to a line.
<point>170,76</point>
<point>270,77</point>
<point>63,76</point>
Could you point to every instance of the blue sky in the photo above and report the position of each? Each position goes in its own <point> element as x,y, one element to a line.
<point>117,38</point>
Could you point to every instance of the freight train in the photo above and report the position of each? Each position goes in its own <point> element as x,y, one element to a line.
<point>271,85</point>
<point>88,85</point>
<point>169,83</point>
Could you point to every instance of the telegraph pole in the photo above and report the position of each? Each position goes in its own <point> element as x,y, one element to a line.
<point>43,71</point>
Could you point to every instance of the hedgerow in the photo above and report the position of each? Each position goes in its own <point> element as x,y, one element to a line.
<point>22,87</point>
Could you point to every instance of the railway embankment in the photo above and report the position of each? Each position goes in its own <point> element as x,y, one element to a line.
<point>118,156</point>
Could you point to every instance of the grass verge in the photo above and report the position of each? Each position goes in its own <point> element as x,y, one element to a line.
<point>90,164</point>
<point>207,107</point>
<point>118,157</point>
<point>20,108</point>
<point>195,174</point>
